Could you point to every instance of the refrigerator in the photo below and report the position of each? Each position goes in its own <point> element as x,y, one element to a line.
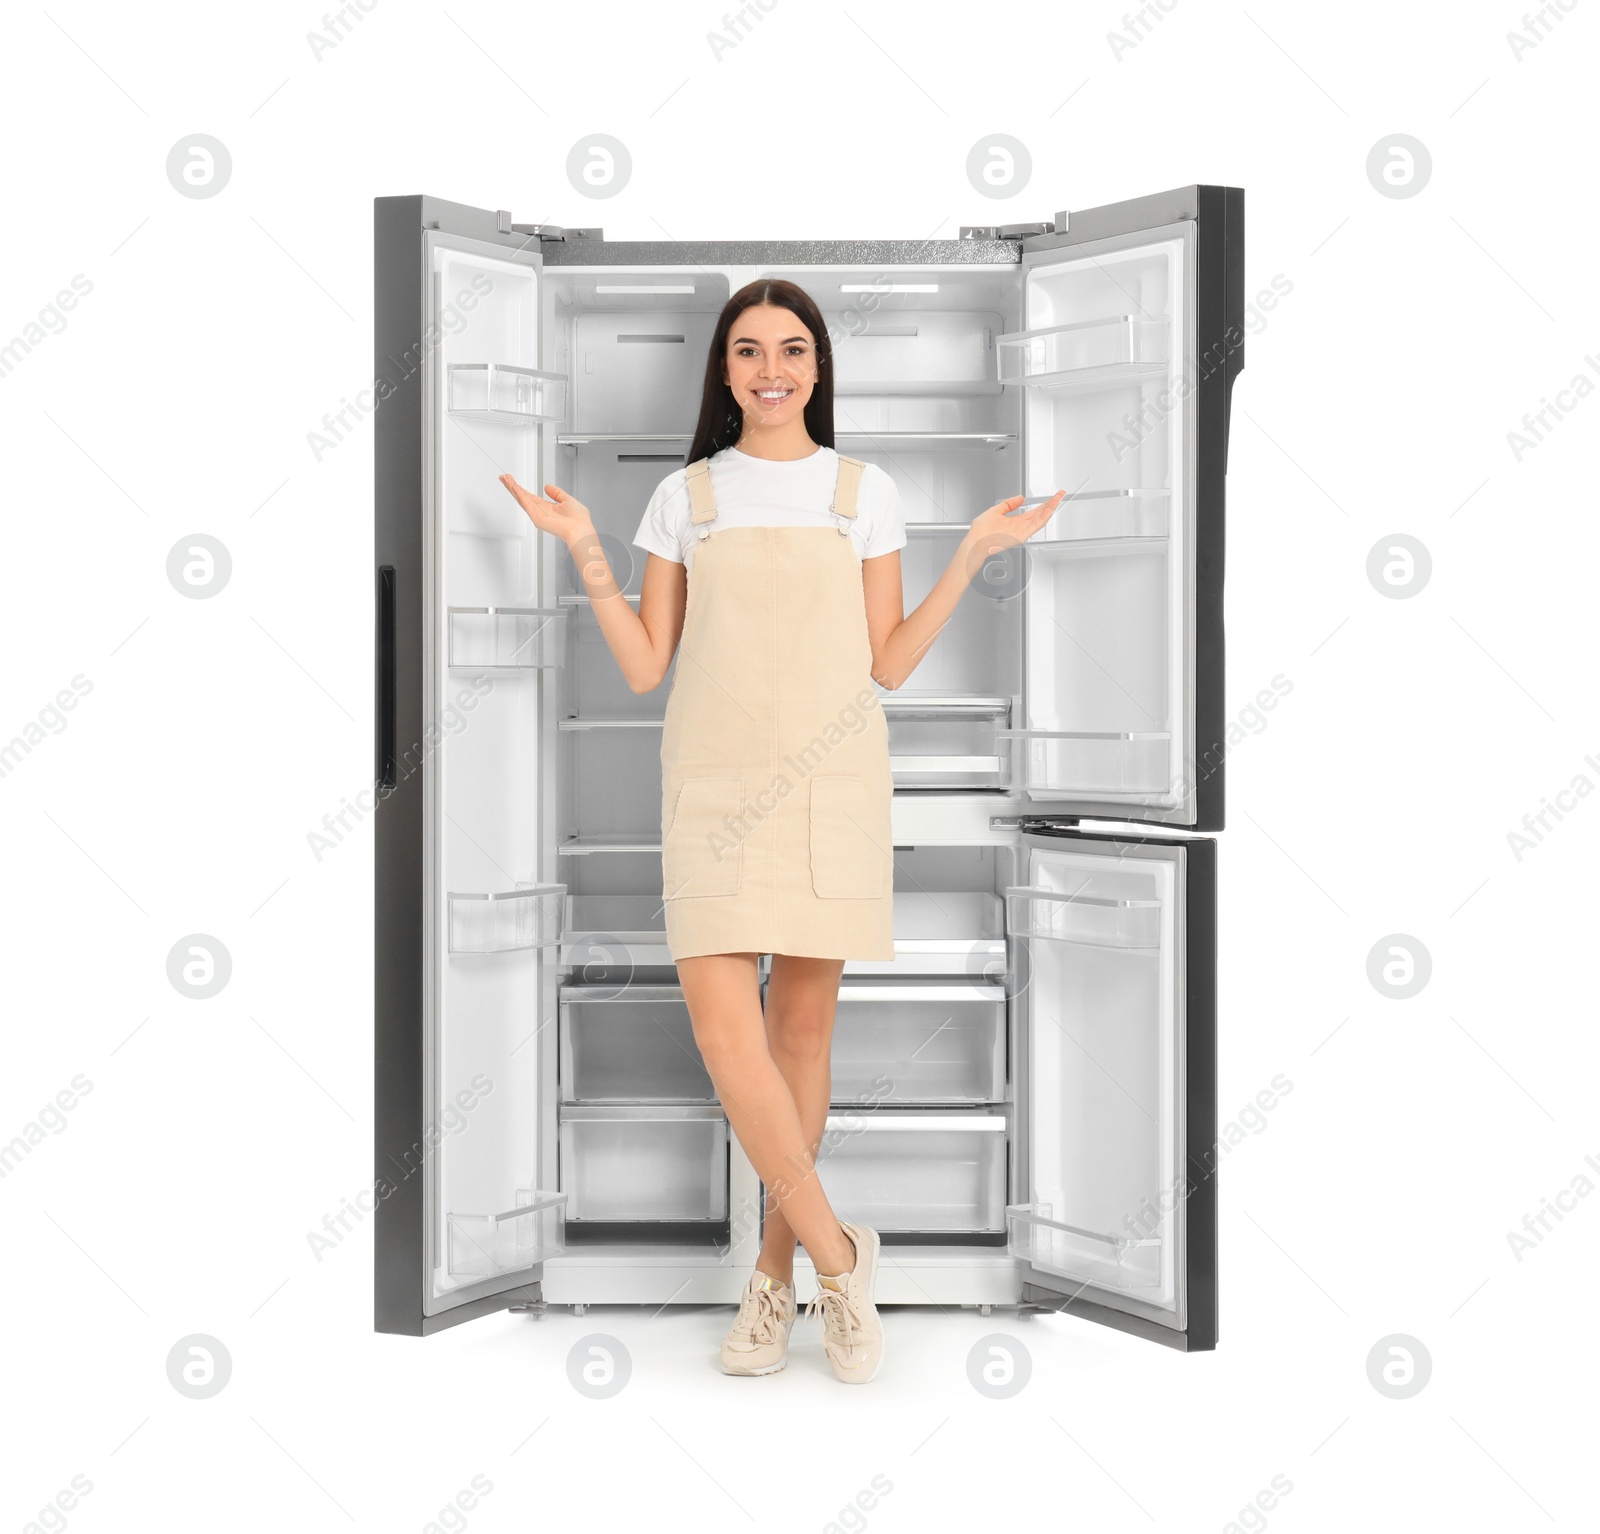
<point>1024,1098</point>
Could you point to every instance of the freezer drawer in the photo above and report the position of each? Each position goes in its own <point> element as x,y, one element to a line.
<point>940,1041</point>
<point>665,1163</point>
<point>633,1045</point>
<point>901,1170</point>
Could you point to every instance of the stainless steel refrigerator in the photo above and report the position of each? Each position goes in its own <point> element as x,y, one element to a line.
<point>1025,1098</point>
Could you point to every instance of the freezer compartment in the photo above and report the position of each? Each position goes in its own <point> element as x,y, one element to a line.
<point>1074,917</point>
<point>629,1044</point>
<point>1085,353</point>
<point>502,393</point>
<point>644,1164</point>
<point>527,917</point>
<point>485,1245</point>
<point>942,1041</point>
<point>898,1169</point>
<point>506,638</point>
<point>1112,1259</point>
<point>1046,762</point>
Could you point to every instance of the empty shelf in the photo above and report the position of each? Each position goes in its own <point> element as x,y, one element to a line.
<point>507,638</point>
<point>1121,1262</point>
<point>884,441</point>
<point>607,722</point>
<point>610,841</point>
<point>1101,353</point>
<point>485,1245</point>
<point>1097,920</point>
<point>499,392</point>
<point>1089,761</point>
<point>501,922</point>
<point>1090,515</point>
<point>942,932</point>
<point>904,704</point>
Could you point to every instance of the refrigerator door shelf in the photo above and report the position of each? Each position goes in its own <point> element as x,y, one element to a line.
<point>1068,917</point>
<point>529,917</point>
<point>645,1164</point>
<point>1125,1263</point>
<point>500,393</point>
<point>898,1169</point>
<point>508,638</point>
<point>1103,353</point>
<point>1104,516</point>
<point>487,1245</point>
<point>933,1042</point>
<point>1065,763</point>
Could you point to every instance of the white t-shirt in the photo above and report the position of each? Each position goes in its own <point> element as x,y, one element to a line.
<point>761,492</point>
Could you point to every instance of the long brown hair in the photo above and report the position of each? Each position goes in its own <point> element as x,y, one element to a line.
<point>721,419</point>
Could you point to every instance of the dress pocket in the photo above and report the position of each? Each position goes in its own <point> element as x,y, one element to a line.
<point>850,851</point>
<point>702,846</point>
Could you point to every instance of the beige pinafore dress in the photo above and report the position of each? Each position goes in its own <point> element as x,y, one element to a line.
<point>775,780</point>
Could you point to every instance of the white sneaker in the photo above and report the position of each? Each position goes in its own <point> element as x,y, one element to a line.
<point>852,1334</point>
<point>758,1341</point>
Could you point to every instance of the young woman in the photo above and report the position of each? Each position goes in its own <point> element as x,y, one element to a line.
<point>775,561</point>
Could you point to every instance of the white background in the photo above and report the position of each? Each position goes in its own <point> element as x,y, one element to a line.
<point>177,1195</point>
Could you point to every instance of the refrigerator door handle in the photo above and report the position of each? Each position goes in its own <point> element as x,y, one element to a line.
<point>385,775</point>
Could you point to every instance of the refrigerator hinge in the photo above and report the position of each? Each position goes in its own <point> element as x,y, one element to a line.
<point>544,231</point>
<point>1031,822</point>
<point>1011,231</point>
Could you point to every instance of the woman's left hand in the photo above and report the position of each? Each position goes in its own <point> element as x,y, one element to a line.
<point>1002,526</point>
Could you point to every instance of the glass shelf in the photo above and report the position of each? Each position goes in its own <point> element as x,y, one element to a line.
<point>497,391</point>
<point>1097,920</point>
<point>529,917</point>
<point>1103,353</point>
<point>867,440</point>
<point>507,638</point>
<point>485,1245</point>
<point>1088,761</point>
<point>1053,1246</point>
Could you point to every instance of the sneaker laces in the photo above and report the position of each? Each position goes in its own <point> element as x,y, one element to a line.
<point>762,1324</point>
<point>840,1319</point>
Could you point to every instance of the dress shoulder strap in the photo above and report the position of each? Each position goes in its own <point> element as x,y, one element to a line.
<point>702,504</point>
<point>845,488</point>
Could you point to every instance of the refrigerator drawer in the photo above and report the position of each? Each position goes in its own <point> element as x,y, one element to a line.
<point>666,1163</point>
<point>941,1041</point>
<point>900,1170</point>
<point>630,1046</point>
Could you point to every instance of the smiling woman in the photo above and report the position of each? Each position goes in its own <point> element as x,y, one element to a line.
<point>776,787</point>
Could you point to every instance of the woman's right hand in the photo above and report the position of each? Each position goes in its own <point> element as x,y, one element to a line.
<point>564,516</point>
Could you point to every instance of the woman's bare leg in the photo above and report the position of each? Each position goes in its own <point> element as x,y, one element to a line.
<point>802,996</point>
<point>724,1003</point>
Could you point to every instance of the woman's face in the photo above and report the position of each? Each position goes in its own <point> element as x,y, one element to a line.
<point>771,364</point>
